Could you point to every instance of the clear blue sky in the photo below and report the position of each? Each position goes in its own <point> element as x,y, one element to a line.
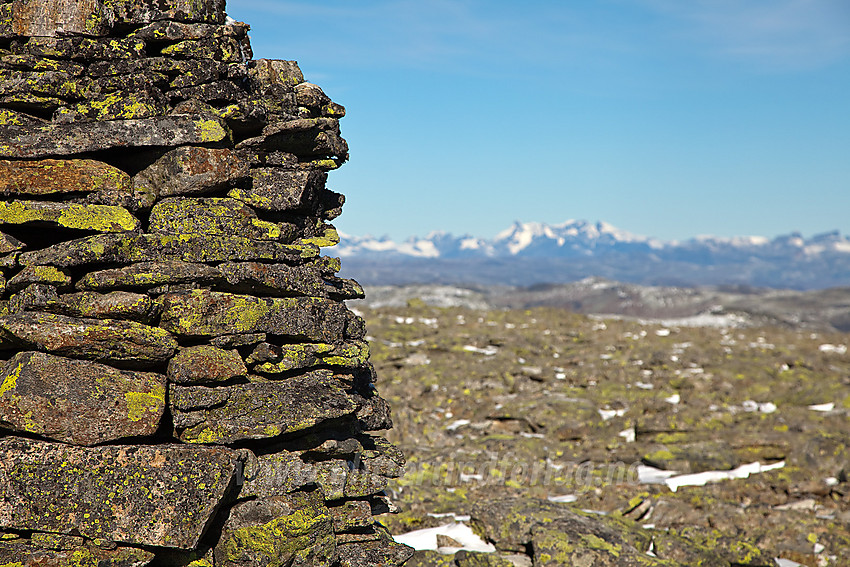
<point>666,118</point>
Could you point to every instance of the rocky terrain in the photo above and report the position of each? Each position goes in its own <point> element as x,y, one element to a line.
<point>544,437</point>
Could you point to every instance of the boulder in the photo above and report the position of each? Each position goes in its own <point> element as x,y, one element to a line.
<point>76,401</point>
<point>162,496</point>
<point>51,550</point>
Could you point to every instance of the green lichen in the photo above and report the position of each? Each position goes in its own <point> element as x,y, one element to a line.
<point>139,404</point>
<point>11,380</point>
<point>101,218</point>
<point>210,130</point>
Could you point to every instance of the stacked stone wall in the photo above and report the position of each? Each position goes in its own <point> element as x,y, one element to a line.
<point>181,382</point>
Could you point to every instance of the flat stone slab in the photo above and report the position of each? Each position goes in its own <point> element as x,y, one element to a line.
<point>78,402</point>
<point>124,343</point>
<point>52,176</point>
<point>257,410</point>
<point>162,496</point>
<point>150,274</point>
<point>69,139</point>
<point>191,170</point>
<point>277,189</point>
<point>131,247</point>
<point>52,550</point>
<point>100,218</point>
<point>204,364</point>
<point>217,216</point>
<point>209,313</point>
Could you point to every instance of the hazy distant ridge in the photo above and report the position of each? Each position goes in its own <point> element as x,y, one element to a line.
<point>529,253</point>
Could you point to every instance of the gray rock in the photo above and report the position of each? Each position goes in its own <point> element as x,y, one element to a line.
<point>293,529</point>
<point>150,274</point>
<point>200,313</point>
<point>41,551</point>
<point>77,138</point>
<point>78,402</point>
<point>162,496</point>
<point>278,189</point>
<point>203,364</point>
<point>226,414</point>
<point>215,216</point>
<point>123,343</point>
<point>191,170</point>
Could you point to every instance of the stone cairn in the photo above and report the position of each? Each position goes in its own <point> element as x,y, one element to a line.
<point>181,383</point>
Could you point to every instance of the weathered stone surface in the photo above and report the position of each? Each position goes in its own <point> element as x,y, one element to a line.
<point>281,359</point>
<point>131,247</point>
<point>10,243</point>
<point>313,98</point>
<point>210,313</point>
<point>50,176</point>
<point>257,410</point>
<point>141,495</point>
<point>305,137</point>
<point>141,103</point>
<point>224,49</point>
<point>77,138</point>
<point>264,73</point>
<point>38,275</point>
<point>380,551</point>
<point>51,83</point>
<point>35,552</point>
<point>294,529</point>
<point>150,274</point>
<point>145,12</point>
<point>276,279</point>
<point>277,189</point>
<point>124,343</point>
<point>166,30</point>
<point>204,363</point>
<point>214,248</point>
<point>217,216</point>
<point>100,218</point>
<point>351,515</point>
<point>77,401</point>
<point>51,18</point>
<point>274,474</point>
<point>80,48</point>
<point>192,170</point>
<point>113,305</point>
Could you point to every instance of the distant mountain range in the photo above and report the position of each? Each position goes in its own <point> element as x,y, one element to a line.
<point>534,253</point>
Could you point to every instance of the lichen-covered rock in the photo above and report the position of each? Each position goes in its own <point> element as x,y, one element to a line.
<point>292,529</point>
<point>258,410</point>
<point>276,279</point>
<point>205,363</point>
<point>281,359</point>
<point>217,216</point>
<point>51,18</point>
<point>112,305</point>
<point>123,343</point>
<point>49,275</point>
<point>41,552</point>
<point>78,138</point>
<point>381,550</point>
<point>192,170</point>
<point>277,189</point>
<point>52,176</point>
<point>145,275</point>
<point>275,474</point>
<point>199,313</point>
<point>160,496</point>
<point>100,218</point>
<point>465,558</point>
<point>76,401</point>
<point>307,137</point>
<point>9,243</point>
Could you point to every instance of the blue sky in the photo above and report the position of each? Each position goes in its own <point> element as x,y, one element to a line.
<point>666,118</point>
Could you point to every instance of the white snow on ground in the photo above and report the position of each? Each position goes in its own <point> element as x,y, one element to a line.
<point>458,531</point>
<point>564,498</point>
<point>673,480</point>
<point>829,406</point>
<point>837,349</point>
